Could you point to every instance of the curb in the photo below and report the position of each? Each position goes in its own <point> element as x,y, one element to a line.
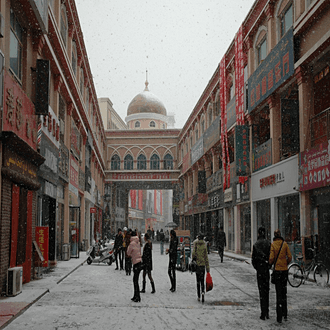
<point>38,298</point>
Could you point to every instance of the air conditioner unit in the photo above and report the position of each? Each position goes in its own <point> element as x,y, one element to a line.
<point>14,281</point>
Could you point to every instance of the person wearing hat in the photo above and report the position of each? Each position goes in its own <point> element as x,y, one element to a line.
<point>202,261</point>
<point>118,246</point>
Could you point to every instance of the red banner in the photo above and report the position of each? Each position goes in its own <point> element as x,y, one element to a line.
<point>42,238</point>
<point>224,137</point>
<point>239,77</point>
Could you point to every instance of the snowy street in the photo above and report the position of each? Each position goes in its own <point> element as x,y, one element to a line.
<point>99,297</point>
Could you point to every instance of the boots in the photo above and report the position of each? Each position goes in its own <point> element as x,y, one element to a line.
<point>143,287</point>
<point>153,287</point>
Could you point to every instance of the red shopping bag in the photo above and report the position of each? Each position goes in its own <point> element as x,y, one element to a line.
<point>209,282</point>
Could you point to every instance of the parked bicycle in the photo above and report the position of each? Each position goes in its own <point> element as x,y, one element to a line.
<point>299,273</point>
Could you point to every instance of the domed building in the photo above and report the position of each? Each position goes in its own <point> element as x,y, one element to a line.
<point>146,111</point>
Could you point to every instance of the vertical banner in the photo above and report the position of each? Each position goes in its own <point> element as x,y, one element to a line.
<point>224,137</point>
<point>239,77</point>
<point>242,150</point>
<point>42,238</point>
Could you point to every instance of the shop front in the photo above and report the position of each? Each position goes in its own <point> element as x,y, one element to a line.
<point>276,203</point>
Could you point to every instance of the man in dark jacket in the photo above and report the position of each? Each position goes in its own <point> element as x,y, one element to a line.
<point>173,255</point>
<point>260,257</point>
<point>118,246</point>
<point>221,242</point>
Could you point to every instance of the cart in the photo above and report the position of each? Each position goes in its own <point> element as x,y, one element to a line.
<point>184,253</point>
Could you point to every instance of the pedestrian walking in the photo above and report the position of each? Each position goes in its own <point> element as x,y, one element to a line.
<point>172,251</point>
<point>128,260</point>
<point>260,261</point>
<point>162,240</point>
<point>134,251</point>
<point>147,264</point>
<point>123,251</point>
<point>118,246</point>
<point>280,255</point>
<point>221,242</point>
<point>200,255</point>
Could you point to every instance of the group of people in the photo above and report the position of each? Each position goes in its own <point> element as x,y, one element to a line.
<point>264,256</point>
<point>127,247</point>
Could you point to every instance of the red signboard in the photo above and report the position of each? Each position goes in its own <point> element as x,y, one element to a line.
<point>19,113</point>
<point>92,210</point>
<point>152,176</point>
<point>314,167</point>
<point>42,238</point>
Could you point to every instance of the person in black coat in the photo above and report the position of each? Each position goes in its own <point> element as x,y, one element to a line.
<point>173,255</point>
<point>118,246</point>
<point>260,261</point>
<point>147,264</point>
<point>221,243</point>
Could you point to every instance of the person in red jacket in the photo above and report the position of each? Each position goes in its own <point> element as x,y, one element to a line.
<point>281,249</point>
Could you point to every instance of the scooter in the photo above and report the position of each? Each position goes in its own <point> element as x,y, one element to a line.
<point>105,255</point>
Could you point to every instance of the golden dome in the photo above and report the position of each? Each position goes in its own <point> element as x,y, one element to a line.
<point>146,102</point>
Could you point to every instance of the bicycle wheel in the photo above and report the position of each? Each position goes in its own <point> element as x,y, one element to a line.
<point>321,275</point>
<point>295,275</point>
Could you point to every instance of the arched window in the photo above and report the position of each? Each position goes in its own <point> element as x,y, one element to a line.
<point>210,112</point>
<point>261,45</point>
<point>196,133</point>
<point>152,124</point>
<point>74,58</point>
<point>164,126</point>
<point>202,124</point>
<point>154,162</point>
<point>137,124</point>
<point>128,162</point>
<point>64,25</point>
<point>115,163</point>
<point>168,162</point>
<point>286,19</point>
<point>141,162</point>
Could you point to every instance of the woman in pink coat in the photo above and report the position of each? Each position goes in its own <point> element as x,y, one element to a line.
<point>134,251</point>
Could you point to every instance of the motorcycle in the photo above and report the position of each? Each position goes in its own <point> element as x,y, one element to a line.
<point>97,254</point>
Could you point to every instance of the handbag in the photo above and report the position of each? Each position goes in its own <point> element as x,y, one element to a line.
<point>272,275</point>
<point>193,264</point>
<point>209,282</point>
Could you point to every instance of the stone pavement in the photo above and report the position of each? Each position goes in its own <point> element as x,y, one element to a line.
<point>12,307</point>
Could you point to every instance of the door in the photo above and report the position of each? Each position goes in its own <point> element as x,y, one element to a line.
<point>74,231</point>
<point>324,233</point>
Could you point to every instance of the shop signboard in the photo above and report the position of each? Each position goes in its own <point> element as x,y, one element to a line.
<point>276,68</point>
<point>42,238</point>
<point>92,210</point>
<point>197,150</point>
<point>215,199</point>
<point>18,112</point>
<point>228,195</point>
<point>314,167</point>
<point>242,150</point>
<point>212,134</point>
<point>276,180</point>
<point>262,156</point>
<point>63,163</point>
<point>214,182</point>
<point>243,190</point>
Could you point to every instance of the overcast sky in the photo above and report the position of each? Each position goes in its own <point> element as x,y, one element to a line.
<point>179,42</point>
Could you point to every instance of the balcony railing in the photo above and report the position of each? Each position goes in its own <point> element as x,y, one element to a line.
<point>320,128</point>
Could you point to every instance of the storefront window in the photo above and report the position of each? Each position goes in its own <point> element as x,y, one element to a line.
<point>263,217</point>
<point>231,230</point>
<point>288,217</point>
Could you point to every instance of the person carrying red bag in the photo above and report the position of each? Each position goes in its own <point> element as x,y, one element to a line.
<point>202,261</point>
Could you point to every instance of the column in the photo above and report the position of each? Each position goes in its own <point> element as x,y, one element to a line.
<point>275,126</point>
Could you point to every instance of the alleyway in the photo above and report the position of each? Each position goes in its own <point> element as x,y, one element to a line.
<point>98,297</point>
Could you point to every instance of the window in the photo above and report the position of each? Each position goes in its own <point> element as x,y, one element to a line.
<point>141,162</point>
<point>164,126</point>
<point>262,50</point>
<point>168,162</point>
<point>154,162</point>
<point>286,20</point>
<point>152,124</point>
<point>74,58</point>
<point>210,116</point>
<point>115,163</point>
<point>128,162</point>
<point>16,46</point>
<point>64,25</point>
<point>231,91</point>
<point>203,126</point>
<point>191,141</point>
<point>137,124</point>
<point>87,97</point>
<point>196,134</point>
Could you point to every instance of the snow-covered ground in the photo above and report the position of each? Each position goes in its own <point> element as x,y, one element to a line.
<point>99,297</point>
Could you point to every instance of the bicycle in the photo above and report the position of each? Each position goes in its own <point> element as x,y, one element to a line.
<point>299,274</point>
